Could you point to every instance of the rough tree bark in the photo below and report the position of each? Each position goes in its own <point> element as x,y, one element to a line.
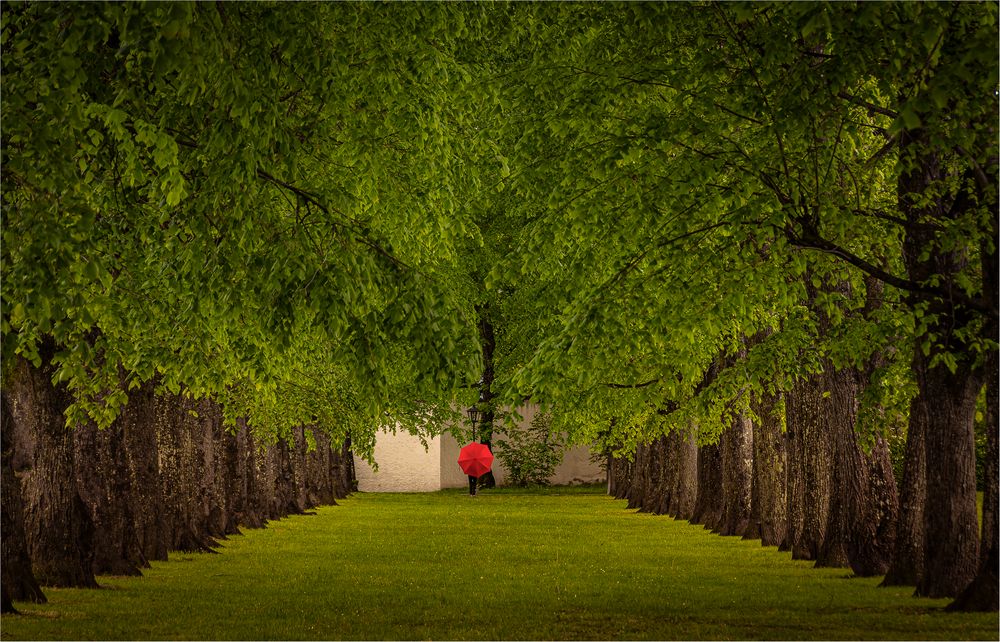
<point>620,476</point>
<point>640,477</point>
<point>907,564</point>
<point>861,526</point>
<point>982,593</point>
<point>767,496</point>
<point>99,457</point>
<point>657,489</point>
<point>17,582</point>
<point>736,447</point>
<point>708,505</point>
<point>811,467</point>
<point>682,465</point>
<point>57,525</point>
<point>138,421</point>
<point>946,397</point>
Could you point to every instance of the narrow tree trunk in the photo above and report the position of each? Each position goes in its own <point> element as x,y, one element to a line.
<point>736,446</point>
<point>767,497</point>
<point>57,525</point>
<point>907,564</point>
<point>17,582</point>
<point>982,593</point>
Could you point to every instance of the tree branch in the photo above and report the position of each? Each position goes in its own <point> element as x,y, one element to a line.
<point>871,107</point>
<point>624,386</point>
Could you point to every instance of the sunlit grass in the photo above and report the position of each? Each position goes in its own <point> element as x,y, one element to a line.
<point>504,565</point>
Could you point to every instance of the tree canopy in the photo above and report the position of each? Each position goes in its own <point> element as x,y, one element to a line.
<point>304,209</point>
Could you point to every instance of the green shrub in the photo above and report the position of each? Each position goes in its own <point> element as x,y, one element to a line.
<point>530,454</point>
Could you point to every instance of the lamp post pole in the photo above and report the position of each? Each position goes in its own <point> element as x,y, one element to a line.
<point>475,415</point>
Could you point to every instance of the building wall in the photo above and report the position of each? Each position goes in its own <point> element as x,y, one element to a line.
<point>404,465</point>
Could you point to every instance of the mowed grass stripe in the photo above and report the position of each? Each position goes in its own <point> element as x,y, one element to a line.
<point>499,566</point>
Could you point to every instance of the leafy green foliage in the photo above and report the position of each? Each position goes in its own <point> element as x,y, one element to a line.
<point>530,453</point>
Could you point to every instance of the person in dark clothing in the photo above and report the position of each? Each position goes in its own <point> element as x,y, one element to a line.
<point>472,484</point>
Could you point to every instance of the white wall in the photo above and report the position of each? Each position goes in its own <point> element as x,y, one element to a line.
<point>575,468</point>
<point>403,465</point>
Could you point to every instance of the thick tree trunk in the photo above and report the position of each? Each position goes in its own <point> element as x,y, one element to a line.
<point>946,397</point>
<point>736,446</point>
<point>139,428</point>
<point>181,443</point>
<point>619,476</point>
<point>100,463</point>
<point>708,506</point>
<point>682,464</point>
<point>57,525</point>
<point>951,535</point>
<point>17,582</point>
<point>658,478</point>
<point>982,594</point>
<point>767,496</point>
<point>861,526</point>
<point>348,481</point>
<point>812,466</point>
<point>640,477</point>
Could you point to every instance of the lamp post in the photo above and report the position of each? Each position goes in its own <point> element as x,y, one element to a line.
<point>475,416</point>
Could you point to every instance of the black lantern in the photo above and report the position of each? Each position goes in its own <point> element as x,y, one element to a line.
<point>475,416</point>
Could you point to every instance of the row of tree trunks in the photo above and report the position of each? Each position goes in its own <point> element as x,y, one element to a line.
<point>166,475</point>
<point>812,489</point>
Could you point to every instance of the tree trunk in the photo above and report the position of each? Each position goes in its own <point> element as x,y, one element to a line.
<point>142,458</point>
<point>767,496</point>
<point>682,465</point>
<point>982,593</point>
<point>100,466</point>
<point>907,564</point>
<point>17,582</point>
<point>946,396</point>
<point>736,446</point>
<point>180,442</point>
<point>861,526</point>
<point>658,473</point>
<point>620,477</point>
<point>57,525</point>
<point>708,506</point>
<point>640,479</point>
<point>804,412</point>
<point>951,535</point>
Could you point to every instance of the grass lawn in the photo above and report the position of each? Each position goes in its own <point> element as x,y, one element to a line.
<point>556,564</point>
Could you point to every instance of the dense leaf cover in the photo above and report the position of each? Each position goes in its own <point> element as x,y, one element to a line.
<point>299,208</point>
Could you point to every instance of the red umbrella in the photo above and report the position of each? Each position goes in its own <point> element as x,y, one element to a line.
<point>475,459</point>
